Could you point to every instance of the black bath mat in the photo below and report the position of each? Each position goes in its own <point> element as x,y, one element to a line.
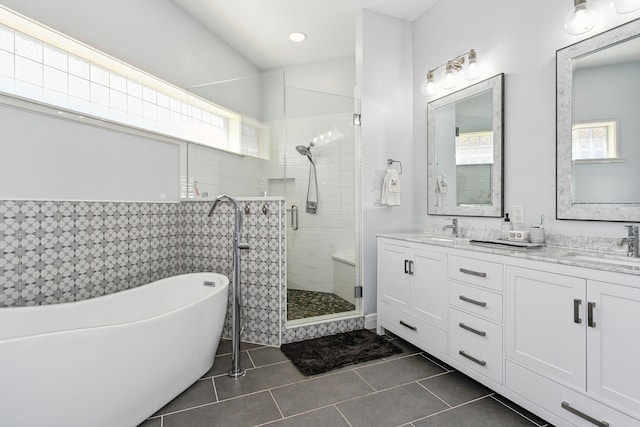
<point>323,354</point>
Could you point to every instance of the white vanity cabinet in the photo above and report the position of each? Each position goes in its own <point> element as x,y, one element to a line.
<point>561,340</point>
<point>546,323</point>
<point>613,344</point>
<point>575,344</point>
<point>475,328</point>
<point>412,293</point>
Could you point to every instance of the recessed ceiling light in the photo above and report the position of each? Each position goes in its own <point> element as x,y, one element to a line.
<point>297,37</point>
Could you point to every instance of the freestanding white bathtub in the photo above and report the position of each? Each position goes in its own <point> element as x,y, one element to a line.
<point>112,360</point>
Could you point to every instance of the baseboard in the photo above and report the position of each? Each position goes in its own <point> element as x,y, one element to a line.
<point>371,321</point>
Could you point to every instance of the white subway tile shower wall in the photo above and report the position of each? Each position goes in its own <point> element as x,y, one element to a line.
<point>332,230</point>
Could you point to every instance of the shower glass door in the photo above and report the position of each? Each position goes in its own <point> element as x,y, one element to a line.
<point>321,155</point>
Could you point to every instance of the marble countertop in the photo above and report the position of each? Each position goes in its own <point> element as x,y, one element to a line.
<point>599,260</point>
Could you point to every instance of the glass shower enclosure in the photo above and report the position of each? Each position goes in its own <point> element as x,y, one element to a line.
<point>300,146</point>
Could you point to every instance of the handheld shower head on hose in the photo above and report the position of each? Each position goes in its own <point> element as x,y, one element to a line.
<point>312,191</point>
<point>306,151</point>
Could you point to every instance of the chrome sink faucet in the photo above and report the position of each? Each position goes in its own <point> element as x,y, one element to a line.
<point>453,226</point>
<point>633,248</point>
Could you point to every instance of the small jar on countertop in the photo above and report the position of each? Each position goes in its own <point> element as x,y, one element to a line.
<point>536,235</point>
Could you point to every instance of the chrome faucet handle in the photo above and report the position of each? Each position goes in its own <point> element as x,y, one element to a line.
<point>632,240</point>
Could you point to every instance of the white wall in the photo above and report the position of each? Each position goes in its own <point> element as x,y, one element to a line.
<point>335,76</point>
<point>384,76</point>
<point>519,39</point>
<point>44,157</point>
<point>153,35</point>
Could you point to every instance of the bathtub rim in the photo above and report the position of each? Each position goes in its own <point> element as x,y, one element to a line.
<point>102,298</point>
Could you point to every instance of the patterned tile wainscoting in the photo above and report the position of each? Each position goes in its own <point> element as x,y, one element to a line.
<point>331,327</point>
<point>59,251</point>
<point>207,245</point>
<point>55,252</point>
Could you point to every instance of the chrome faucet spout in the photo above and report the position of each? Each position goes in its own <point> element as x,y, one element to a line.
<point>219,199</point>
<point>632,240</point>
<point>453,226</point>
<point>235,371</point>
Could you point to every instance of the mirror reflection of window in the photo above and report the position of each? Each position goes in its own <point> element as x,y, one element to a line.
<point>464,151</point>
<point>474,148</point>
<point>474,160</point>
<point>594,141</point>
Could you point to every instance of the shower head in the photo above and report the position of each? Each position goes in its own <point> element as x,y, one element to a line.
<point>306,151</point>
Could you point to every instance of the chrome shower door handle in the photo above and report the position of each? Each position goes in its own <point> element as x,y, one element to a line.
<point>294,217</point>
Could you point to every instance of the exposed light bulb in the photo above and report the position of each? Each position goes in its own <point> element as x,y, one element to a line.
<point>581,18</point>
<point>625,6</point>
<point>450,78</point>
<point>473,70</point>
<point>429,86</point>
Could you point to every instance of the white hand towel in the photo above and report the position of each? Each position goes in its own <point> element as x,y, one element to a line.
<point>390,188</point>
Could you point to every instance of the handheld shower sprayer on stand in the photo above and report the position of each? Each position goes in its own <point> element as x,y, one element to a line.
<point>235,370</point>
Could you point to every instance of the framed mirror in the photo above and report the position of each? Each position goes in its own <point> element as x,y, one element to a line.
<point>598,127</point>
<point>464,151</point>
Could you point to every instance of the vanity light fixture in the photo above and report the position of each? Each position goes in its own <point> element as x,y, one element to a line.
<point>625,6</point>
<point>297,37</point>
<point>581,18</point>
<point>451,76</point>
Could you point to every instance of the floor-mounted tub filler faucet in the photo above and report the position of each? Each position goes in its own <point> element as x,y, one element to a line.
<point>632,241</point>
<point>235,370</point>
<point>453,226</point>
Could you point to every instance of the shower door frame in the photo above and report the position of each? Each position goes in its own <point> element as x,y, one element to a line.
<point>355,140</point>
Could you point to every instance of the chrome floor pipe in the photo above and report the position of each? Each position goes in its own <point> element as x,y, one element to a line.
<point>235,371</point>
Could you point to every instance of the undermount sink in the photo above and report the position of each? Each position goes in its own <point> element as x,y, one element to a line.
<point>444,239</point>
<point>608,259</point>
<point>441,239</point>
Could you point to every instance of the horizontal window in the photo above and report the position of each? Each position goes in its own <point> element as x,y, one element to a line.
<point>42,65</point>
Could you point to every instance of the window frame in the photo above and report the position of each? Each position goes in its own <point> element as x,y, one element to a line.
<point>612,148</point>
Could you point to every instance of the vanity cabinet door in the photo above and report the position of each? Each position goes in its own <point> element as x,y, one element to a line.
<point>613,349</point>
<point>545,323</point>
<point>429,286</point>
<point>393,273</point>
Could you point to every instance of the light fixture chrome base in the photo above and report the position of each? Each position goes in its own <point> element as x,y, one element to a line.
<point>236,374</point>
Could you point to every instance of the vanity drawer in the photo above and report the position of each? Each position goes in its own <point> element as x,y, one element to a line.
<point>476,343</point>
<point>414,330</point>
<point>476,272</point>
<point>563,401</point>
<point>476,300</point>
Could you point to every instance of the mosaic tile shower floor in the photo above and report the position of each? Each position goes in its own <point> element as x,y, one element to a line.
<point>303,304</point>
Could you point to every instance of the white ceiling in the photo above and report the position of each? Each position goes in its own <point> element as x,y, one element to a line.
<point>259,29</point>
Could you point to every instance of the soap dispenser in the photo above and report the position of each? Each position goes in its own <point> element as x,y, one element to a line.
<point>506,227</point>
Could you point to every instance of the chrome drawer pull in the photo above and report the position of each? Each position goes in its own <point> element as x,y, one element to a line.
<point>574,411</point>
<point>590,322</point>
<point>473,273</point>
<point>472,301</point>
<point>473,359</point>
<point>406,325</point>
<point>470,329</point>
<point>576,311</point>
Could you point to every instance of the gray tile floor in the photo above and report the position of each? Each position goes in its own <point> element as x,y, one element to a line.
<point>408,389</point>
